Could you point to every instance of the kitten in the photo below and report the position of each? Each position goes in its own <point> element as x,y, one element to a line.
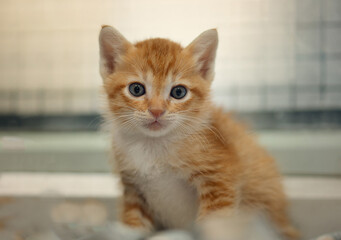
<point>181,159</point>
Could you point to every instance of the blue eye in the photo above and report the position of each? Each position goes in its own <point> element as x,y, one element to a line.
<point>136,89</point>
<point>178,92</point>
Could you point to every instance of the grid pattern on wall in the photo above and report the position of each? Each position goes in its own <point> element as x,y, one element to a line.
<point>272,56</point>
<point>308,65</point>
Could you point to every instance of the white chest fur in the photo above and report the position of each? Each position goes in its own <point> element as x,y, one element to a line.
<point>172,199</point>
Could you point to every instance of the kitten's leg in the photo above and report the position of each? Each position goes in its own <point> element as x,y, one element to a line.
<point>216,194</point>
<point>218,202</point>
<point>220,216</point>
<point>134,210</point>
<point>135,221</point>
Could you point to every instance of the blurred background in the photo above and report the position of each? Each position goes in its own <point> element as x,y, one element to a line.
<point>278,68</point>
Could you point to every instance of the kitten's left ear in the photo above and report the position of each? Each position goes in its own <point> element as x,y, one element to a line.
<point>112,46</point>
<point>203,50</point>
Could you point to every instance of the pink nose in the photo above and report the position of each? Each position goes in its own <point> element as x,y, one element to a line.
<point>156,112</point>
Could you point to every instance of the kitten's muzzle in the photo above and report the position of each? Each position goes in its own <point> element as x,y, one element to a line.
<point>155,125</point>
<point>156,112</point>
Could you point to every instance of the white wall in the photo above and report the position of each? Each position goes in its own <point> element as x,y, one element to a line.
<point>49,49</point>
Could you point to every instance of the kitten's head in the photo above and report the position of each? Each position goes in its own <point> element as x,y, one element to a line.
<point>156,87</point>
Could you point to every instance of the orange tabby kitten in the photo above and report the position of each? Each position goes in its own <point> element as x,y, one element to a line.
<point>180,158</point>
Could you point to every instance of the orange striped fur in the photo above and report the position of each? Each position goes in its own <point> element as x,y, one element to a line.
<point>197,161</point>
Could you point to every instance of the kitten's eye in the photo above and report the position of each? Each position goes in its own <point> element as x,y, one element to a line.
<point>178,92</point>
<point>136,89</point>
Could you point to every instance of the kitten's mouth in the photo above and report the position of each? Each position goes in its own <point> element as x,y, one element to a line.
<point>156,125</point>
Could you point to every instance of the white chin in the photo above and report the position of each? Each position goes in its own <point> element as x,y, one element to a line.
<point>158,132</point>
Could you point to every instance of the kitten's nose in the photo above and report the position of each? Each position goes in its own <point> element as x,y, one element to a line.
<point>156,112</point>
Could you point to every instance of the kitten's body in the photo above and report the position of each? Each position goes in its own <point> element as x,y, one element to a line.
<point>181,160</point>
<point>172,200</point>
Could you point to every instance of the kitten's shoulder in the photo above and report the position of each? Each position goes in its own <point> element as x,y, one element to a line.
<point>223,120</point>
<point>232,130</point>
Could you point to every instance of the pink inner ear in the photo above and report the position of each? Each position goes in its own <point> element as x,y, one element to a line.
<point>204,68</point>
<point>205,62</point>
<point>107,54</point>
<point>204,49</point>
<point>109,61</point>
<point>112,44</point>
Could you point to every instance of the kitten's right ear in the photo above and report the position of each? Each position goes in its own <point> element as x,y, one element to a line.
<point>112,45</point>
<point>204,49</point>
